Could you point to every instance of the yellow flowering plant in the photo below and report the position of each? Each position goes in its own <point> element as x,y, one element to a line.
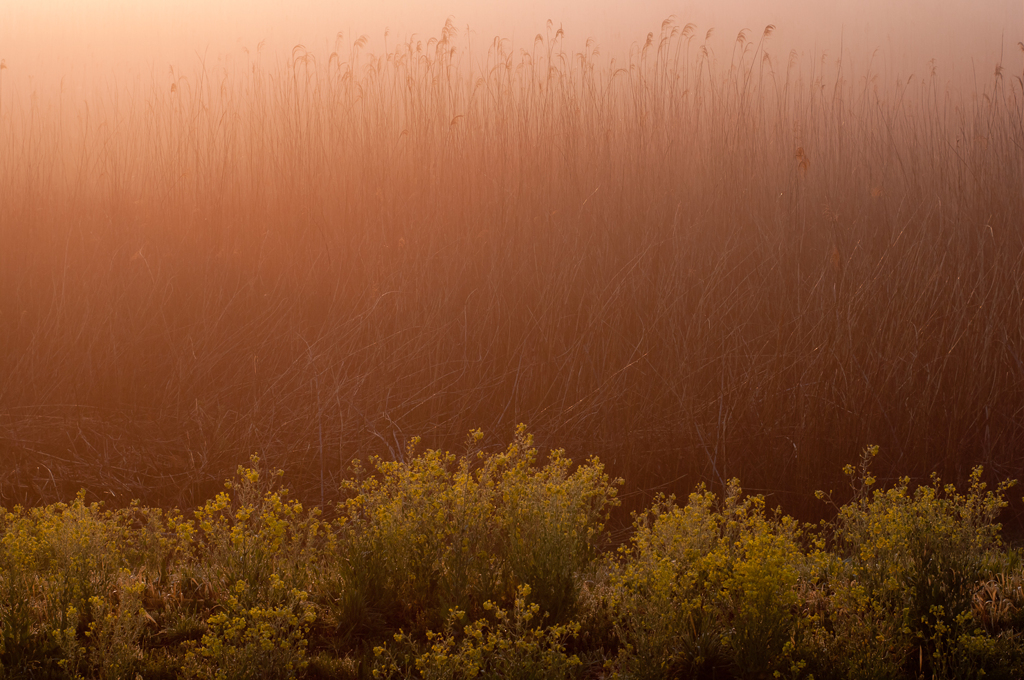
<point>257,552</point>
<point>443,532</point>
<point>709,587</point>
<point>908,564</point>
<point>502,645</point>
<point>490,565</point>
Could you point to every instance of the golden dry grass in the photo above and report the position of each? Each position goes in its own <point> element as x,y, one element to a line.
<point>695,268</point>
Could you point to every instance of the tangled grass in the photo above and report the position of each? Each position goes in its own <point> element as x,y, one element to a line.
<point>696,268</point>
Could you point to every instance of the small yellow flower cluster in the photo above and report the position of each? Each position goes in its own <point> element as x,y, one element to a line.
<point>487,566</point>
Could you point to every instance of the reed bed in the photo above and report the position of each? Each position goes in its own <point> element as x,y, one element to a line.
<point>696,265</point>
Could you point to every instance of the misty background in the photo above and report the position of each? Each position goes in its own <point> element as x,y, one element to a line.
<point>316,229</point>
<point>71,43</point>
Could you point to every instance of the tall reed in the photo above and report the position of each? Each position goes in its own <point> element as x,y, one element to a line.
<point>695,268</point>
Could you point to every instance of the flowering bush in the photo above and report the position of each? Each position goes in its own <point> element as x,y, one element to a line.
<point>443,533</point>
<point>503,645</point>
<point>710,586</point>
<point>907,567</point>
<point>489,565</point>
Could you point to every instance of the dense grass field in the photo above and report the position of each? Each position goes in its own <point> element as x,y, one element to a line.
<point>697,265</point>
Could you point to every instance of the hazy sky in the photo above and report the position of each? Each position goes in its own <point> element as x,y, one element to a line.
<point>44,39</point>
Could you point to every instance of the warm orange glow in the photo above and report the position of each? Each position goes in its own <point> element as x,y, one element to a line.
<point>741,241</point>
<point>59,38</point>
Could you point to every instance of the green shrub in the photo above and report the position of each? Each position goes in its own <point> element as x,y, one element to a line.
<point>909,563</point>
<point>253,533</point>
<point>258,553</point>
<point>70,584</point>
<point>264,640</point>
<point>442,533</point>
<point>711,586</point>
<point>502,646</point>
<point>904,583</point>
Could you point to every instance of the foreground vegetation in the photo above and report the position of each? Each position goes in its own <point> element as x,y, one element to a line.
<point>698,260</point>
<point>495,565</point>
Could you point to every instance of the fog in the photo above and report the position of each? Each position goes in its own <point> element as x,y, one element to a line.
<point>317,229</point>
<point>45,41</point>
